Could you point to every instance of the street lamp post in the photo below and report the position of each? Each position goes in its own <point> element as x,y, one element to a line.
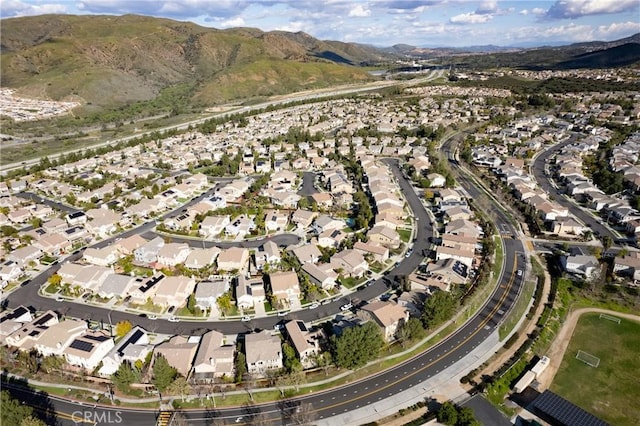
<point>110,324</point>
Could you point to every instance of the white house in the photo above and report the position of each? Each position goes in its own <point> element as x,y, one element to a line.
<point>263,352</point>
<point>88,350</point>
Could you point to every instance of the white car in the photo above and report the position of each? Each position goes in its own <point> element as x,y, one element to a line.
<point>519,272</point>
<point>174,319</point>
<point>314,305</point>
<point>153,317</point>
<point>346,307</point>
<point>59,299</point>
<point>245,319</point>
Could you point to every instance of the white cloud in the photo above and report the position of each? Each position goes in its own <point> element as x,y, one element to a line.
<point>295,26</point>
<point>617,30</point>
<point>359,12</point>
<point>233,22</point>
<point>524,12</point>
<point>487,7</point>
<point>10,8</point>
<point>538,11</point>
<point>470,18</point>
<point>569,9</point>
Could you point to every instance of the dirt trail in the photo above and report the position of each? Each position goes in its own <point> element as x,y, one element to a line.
<point>561,342</point>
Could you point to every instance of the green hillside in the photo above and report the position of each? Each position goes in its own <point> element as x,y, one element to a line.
<point>117,61</point>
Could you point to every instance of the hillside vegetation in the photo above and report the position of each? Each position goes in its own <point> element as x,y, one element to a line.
<point>111,62</point>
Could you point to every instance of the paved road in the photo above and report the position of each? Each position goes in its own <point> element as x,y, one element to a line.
<point>53,204</point>
<point>308,184</point>
<point>352,396</point>
<point>367,392</point>
<point>28,294</point>
<point>543,180</point>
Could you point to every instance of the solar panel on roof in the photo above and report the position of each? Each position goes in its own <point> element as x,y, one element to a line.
<point>20,310</point>
<point>97,338</point>
<point>565,412</point>
<point>134,338</point>
<point>43,319</point>
<point>81,345</point>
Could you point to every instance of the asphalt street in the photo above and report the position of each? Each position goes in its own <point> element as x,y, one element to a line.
<point>538,169</point>
<point>332,402</point>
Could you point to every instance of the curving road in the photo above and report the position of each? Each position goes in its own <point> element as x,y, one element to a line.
<point>367,392</point>
<point>538,169</point>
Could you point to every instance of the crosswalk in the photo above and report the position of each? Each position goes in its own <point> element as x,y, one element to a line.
<point>164,418</point>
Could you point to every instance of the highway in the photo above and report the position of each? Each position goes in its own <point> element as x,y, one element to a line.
<point>323,405</point>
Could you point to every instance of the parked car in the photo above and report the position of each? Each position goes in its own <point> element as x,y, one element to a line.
<point>314,305</point>
<point>245,318</point>
<point>346,307</point>
<point>174,319</point>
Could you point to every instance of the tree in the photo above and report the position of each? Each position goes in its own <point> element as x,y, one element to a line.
<point>123,327</point>
<point>8,231</point>
<point>31,421</point>
<point>180,386</point>
<point>224,303</point>
<point>125,376</point>
<point>324,361</point>
<point>466,417</point>
<point>410,330</point>
<point>438,308</point>
<point>291,362</point>
<point>191,304</point>
<point>241,366</point>
<point>29,360</point>
<point>447,414</point>
<point>55,280</point>
<point>52,363</point>
<point>357,345</point>
<point>15,413</point>
<point>163,373</point>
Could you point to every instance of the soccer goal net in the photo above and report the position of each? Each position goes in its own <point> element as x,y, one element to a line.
<point>588,359</point>
<point>610,318</point>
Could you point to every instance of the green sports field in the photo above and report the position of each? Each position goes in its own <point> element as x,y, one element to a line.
<point>612,390</point>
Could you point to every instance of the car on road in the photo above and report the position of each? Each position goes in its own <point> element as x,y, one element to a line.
<point>245,318</point>
<point>314,305</point>
<point>283,313</point>
<point>59,299</point>
<point>278,327</point>
<point>153,317</point>
<point>173,318</point>
<point>519,272</point>
<point>346,307</point>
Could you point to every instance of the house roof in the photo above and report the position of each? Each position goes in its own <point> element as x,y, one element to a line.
<point>262,346</point>
<point>209,341</point>
<point>179,353</point>
<point>283,281</point>
<point>385,313</point>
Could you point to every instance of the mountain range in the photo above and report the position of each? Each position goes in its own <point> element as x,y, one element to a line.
<point>119,61</point>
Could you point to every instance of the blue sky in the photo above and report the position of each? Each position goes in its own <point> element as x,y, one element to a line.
<point>382,22</point>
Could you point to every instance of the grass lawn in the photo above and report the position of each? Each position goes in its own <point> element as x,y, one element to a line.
<point>611,390</point>
<point>405,234</point>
